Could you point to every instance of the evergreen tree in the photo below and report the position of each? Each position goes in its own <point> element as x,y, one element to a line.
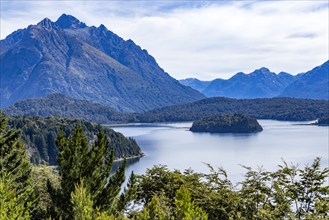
<point>77,160</point>
<point>185,208</point>
<point>15,172</point>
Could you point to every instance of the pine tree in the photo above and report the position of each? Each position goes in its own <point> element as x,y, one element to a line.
<point>77,160</point>
<point>15,171</point>
<point>185,209</point>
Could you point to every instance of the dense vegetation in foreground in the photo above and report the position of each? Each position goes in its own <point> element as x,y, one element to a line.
<point>39,135</point>
<point>81,189</point>
<point>235,123</point>
<point>286,109</point>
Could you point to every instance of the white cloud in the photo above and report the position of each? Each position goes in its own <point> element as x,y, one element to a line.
<point>201,39</point>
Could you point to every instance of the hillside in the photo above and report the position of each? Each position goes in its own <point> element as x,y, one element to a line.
<point>63,106</point>
<point>235,123</point>
<point>88,63</point>
<point>286,109</point>
<point>313,84</point>
<point>39,135</point>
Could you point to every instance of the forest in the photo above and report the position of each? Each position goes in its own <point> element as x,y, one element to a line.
<point>39,135</point>
<point>234,123</point>
<point>81,188</point>
<point>285,109</point>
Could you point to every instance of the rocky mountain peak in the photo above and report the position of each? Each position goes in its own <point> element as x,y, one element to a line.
<point>47,24</point>
<point>69,22</point>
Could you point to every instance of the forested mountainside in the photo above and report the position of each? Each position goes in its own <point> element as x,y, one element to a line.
<point>39,135</point>
<point>288,109</point>
<point>64,106</point>
<point>83,62</point>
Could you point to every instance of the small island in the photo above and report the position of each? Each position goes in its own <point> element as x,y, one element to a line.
<point>235,123</point>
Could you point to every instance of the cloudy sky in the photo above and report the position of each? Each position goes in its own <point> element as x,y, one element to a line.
<point>202,39</point>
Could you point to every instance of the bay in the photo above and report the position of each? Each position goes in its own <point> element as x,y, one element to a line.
<point>173,145</point>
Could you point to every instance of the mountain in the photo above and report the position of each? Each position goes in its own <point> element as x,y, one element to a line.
<point>262,83</point>
<point>313,84</point>
<point>195,83</point>
<point>67,107</point>
<point>83,62</point>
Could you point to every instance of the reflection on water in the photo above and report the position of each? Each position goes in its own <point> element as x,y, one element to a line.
<point>172,144</point>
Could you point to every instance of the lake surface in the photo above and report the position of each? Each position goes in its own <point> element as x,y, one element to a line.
<point>172,144</point>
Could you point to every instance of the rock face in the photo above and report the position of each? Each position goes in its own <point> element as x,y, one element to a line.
<point>236,123</point>
<point>82,62</point>
<point>313,84</point>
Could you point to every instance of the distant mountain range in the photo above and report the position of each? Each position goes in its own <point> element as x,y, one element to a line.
<point>83,62</point>
<point>262,83</point>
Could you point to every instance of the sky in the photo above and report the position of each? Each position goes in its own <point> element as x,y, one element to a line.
<point>200,39</point>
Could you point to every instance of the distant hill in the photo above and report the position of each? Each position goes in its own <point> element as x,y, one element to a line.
<point>289,109</point>
<point>286,109</point>
<point>83,62</point>
<point>39,135</point>
<point>63,106</point>
<point>262,83</point>
<point>313,84</point>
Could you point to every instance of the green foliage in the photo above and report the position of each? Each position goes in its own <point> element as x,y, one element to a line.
<point>39,135</point>
<point>17,194</point>
<point>184,207</point>
<point>82,203</point>
<point>40,176</point>
<point>13,205</point>
<point>288,193</point>
<point>93,164</point>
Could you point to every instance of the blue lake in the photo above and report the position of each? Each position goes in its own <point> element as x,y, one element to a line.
<point>172,144</point>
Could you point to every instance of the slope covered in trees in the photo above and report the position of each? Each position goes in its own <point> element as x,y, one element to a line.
<point>285,109</point>
<point>272,108</point>
<point>39,135</point>
<point>64,106</point>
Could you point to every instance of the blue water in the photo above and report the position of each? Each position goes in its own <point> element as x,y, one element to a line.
<point>172,144</point>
